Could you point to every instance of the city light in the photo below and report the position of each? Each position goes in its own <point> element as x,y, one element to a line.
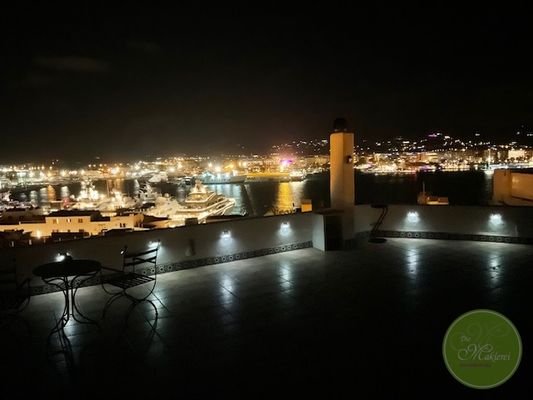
<point>225,234</point>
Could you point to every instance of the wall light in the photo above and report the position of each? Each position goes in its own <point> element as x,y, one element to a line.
<point>412,216</point>
<point>225,234</point>
<point>496,219</point>
<point>285,228</point>
<point>63,256</point>
<point>153,243</point>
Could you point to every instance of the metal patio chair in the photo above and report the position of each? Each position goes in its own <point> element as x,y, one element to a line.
<point>128,277</point>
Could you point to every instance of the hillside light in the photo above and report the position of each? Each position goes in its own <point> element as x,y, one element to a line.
<point>225,234</point>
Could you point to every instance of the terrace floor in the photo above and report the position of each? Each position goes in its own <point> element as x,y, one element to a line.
<point>368,321</point>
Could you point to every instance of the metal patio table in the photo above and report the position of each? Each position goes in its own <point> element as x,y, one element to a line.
<point>68,275</point>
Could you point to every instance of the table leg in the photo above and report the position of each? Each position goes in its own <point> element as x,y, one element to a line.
<point>65,316</point>
<point>80,317</point>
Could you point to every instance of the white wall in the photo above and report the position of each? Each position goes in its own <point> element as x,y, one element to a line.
<point>522,185</point>
<point>250,234</point>
<point>512,188</point>
<point>365,217</point>
<point>493,220</point>
<point>245,235</point>
<point>319,241</point>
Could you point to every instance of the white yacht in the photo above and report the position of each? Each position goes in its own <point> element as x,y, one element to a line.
<point>158,177</point>
<point>5,200</point>
<point>5,183</point>
<point>88,199</point>
<point>147,194</point>
<point>297,175</point>
<point>200,203</point>
<point>117,201</point>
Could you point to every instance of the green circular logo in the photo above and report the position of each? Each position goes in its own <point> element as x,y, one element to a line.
<point>482,349</point>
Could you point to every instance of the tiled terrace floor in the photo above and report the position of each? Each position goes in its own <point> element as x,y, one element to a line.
<point>365,322</point>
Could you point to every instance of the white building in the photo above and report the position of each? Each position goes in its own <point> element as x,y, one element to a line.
<point>71,221</point>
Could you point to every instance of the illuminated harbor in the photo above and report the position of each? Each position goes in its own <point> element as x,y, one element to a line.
<point>255,202</point>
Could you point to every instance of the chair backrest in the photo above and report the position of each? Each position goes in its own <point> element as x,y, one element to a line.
<point>133,259</point>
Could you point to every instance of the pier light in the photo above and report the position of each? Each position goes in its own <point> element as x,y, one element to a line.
<point>225,234</point>
<point>496,219</point>
<point>413,216</point>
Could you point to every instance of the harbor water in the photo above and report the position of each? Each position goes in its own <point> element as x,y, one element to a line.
<point>260,198</point>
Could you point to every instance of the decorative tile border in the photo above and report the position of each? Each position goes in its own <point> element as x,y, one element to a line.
<point>228,258</point>
<point>454,236</point>
<point>187,264</point>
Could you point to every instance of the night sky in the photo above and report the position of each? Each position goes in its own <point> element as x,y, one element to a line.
<point>133,82</point>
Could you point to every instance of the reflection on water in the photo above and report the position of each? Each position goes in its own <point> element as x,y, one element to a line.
<point>34,197</point>
<point>65,192</point>
<point>238,192</point>
<point>259,198</point>
<point>289,195</point>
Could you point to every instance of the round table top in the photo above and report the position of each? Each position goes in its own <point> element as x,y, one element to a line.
<point>66,268</point>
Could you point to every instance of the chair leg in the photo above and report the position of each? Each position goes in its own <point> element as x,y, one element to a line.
<point>110,302</point>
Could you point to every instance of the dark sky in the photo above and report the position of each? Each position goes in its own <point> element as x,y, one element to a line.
<point>130,82</point>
